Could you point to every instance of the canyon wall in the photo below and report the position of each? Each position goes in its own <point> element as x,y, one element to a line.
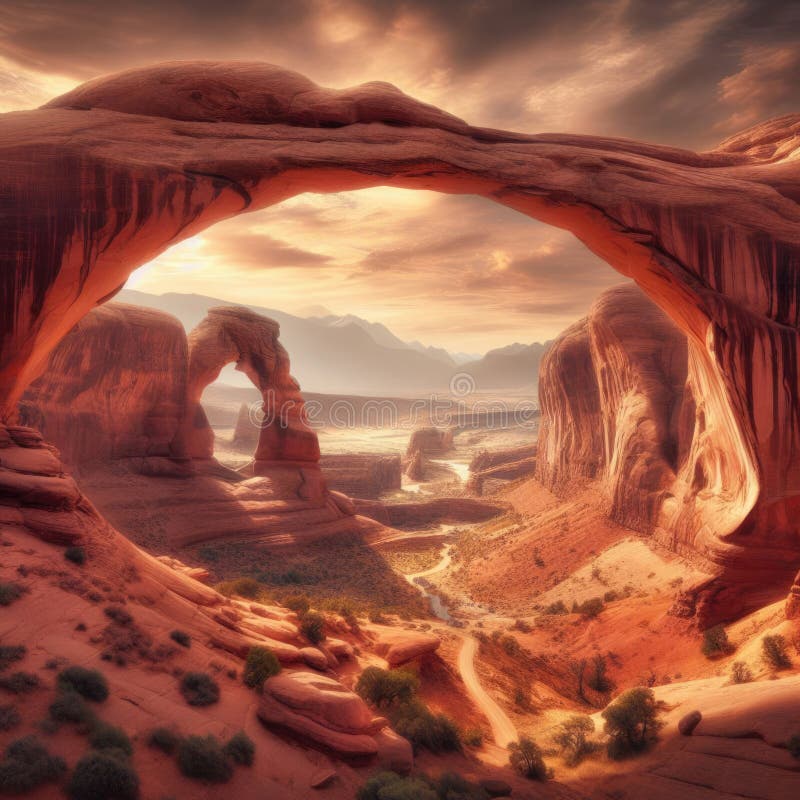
<point>101,180</point>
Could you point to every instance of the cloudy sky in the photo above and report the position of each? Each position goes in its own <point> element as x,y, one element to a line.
<point>452,271</point>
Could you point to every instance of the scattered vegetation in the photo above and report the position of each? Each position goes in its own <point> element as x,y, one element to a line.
<point>417,723</point>
<point>387,688</point>
<point>248,588</point>
<point>199,689</point>
<point>556,608</point>
<point>118,614</point>
<point>740,672</point>
<point>473,737</point>
<point>526,758</point>
<point>793,746</point>
<point>10,592</point>
<point>598,675</point>
<point>9,653</point>
<point>715,642</point>
<point>103,776</point>
<point>88,683</point>
<point>109,737</point>
<point>27,765</point>
<point>312,626</point>
<point>589,608</point>
<point>391,786</point>
<point>240,749</point>
<point>76,554</point>
<point>572,738</point>
<point>774,652</point>
<point>203,758</point>
<point>9,718</point>
<point>181,637</point>
<point>631,722</point>
<point>261,664</point>
<point>69,706</point>
<point>164,739</point>
<point>20,682</point>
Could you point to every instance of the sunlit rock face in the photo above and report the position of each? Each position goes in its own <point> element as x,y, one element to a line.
<point>106,177</point>
<point>242,337</point>
<point>115,387</point>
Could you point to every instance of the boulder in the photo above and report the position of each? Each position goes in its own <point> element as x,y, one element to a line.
<point>399,647</point>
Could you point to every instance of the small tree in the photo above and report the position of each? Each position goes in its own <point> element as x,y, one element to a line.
<point>571,737</point>
<point>773,651</point>
<point>715,642</point>
<point>598,676</point>
<point>578,669</point>
<point>261,664</point>
<point>312,626</point>
<point>385,688</point>
<point>525,757</point>
<point>631,722</point>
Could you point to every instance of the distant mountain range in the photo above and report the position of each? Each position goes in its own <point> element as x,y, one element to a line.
<point>350,355</point>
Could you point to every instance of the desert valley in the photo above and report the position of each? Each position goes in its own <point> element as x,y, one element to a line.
<point>259,554</point>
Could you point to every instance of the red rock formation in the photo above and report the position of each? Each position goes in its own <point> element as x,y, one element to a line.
<point>113,388</point>
<point>430,442</point>
<point>246,432</point>
<point>242,337</point>
<point>501,466</point>
<point>136,162</point>
<point>366,475</point>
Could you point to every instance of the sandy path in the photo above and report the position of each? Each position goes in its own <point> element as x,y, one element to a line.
<point>503,728</point>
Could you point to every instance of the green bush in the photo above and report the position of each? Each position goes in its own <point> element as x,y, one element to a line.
<point>20,682</point>
<point>572,738</point>
<point>27,765</point>
<point>102,776</point>
<point>435,732</point>
<point>10,592</point>
<point>261,664</point>
<point>9,653</point>
<point>89,683</point>
<point>109,737</point>
<point>240,749</point>
<point>181,637</point>
<point>9,718</point>
<point>473,737</point>
<point>199,689</point>
<point>312,626</point>
<point>385,688</point>
<point>69,706</point>
<point>525,758</point>
<point>248,588</point>
<point>391,786</point>
<point>164,739</point>
<point>631,722</point>
<point>715,642</point>
<point>299,603</point>
<point>202,758</point>
<point>452,786</point>
<point>77,555</point>
<point>773,651</point>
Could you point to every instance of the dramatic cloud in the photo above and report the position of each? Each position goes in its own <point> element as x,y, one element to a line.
<point>456,271</point>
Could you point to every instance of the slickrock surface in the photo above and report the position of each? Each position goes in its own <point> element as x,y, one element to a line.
<point>134,163</point>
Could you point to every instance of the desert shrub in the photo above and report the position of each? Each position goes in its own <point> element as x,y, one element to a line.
<point>631,722</point>
<point>378,617</point>
<point>77,555</point>
<point>391,786</point>
<point>572,737</point>
<point>510,645</point>
<point>9,653</point>
<point>434,732</point>
<point>88,683</point>
<point>521,699</point>
<point>521,626</point>
<point>773,651</point>
<point>27,765</point>
<point>298,603</point>
<point>452,786</point>
<point>248,588</point>
<point>598,675</point>
<point>312,626</point>
<point>589,608</point>
<point>556,608</point>
<point>118,614</point>
<point>20,682</point>
<point>163,739</point>
<point>715,642</point>
<point>202,758</point>
<point>610,596</point>
<point>103,776</point>
<point>473,737</point>
<point>240,749</point>
<point>181,637</point>
<point>525,758</point>
<point>69,706</point>
<point>110,737</point>
<point>261,664</point>
<point>9,718</point>
<point>384,688</point>
<point>199,689</point>
<point>793,745</point>
<point>10,592</point>
<point>740,672</point>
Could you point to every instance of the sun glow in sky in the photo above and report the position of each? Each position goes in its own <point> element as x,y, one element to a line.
<point>454,271</point>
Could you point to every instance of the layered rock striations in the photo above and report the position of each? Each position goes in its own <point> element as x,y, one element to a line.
<point>135,162</point>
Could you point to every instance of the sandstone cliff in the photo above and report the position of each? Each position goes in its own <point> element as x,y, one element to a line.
<point>138,161</point>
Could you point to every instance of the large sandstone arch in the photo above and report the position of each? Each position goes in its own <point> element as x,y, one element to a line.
<point>102,179</point>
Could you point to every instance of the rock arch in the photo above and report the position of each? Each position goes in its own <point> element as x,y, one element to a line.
<point>102,179</point>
